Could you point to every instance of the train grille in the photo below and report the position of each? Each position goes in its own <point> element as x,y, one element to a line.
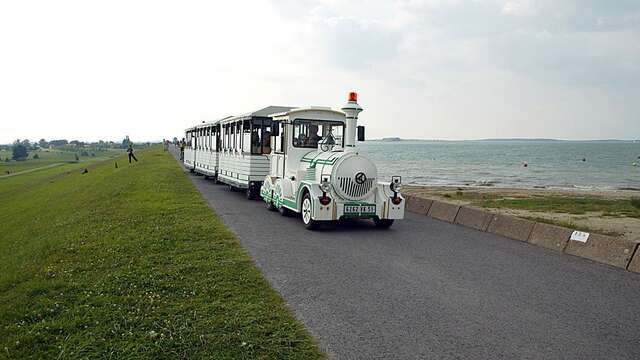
<point>354,190</point>
<point>311,174</point>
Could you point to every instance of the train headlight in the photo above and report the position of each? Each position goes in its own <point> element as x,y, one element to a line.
<point>396,183</point>
<point>325,185</point>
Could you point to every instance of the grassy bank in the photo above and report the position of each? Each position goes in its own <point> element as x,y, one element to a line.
<point>130,263</point>
<point>615,213</point>
<point>570,204</point>
<point>48,157</point>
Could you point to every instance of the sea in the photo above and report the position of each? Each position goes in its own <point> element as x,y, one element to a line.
<point>596,165</point>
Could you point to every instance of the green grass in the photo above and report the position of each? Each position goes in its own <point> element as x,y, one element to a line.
<point>561,204</point>
<point>48,157</point>
<point>571,225</point>
<point>130,263</point>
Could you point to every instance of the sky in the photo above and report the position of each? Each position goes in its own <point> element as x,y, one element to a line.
<point>427,69</point>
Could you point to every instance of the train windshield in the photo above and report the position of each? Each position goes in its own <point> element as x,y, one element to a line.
<point>310,133</point>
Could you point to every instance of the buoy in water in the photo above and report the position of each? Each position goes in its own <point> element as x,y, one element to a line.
<point>584,159</point>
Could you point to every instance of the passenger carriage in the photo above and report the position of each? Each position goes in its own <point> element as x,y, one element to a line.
<point>202,151</point>
<point>189,159</point>
<point>245,149</point>
<point>316,170</point>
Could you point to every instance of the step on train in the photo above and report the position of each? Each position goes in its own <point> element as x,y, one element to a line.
<point>301,161</point>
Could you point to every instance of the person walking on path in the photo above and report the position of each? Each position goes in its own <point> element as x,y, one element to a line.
<point>182,145</point>
<point>131,155</point>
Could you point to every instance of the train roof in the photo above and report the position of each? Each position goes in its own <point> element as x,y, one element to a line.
<point>309,108</point>
<point>208,123</point>
<point>264,112</point>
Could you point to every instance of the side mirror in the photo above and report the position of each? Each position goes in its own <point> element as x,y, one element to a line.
<point>360,133</point>
<point>275,129</point>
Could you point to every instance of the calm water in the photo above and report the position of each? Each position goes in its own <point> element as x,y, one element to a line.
<point>556,164</point>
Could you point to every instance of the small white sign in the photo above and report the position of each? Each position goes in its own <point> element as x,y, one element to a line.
<point>580,236</point>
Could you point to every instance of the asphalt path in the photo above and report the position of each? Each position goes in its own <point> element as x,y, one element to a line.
<point>431,290</point>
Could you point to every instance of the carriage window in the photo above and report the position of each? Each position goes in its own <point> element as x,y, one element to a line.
<point>218,138</point>
<point>279,141</point>
<point>224,137</point>
<point>266,139</point>
<point>246,136</point>
<point>308,133</point>
<point>260,138</point>
<point>239,135</point>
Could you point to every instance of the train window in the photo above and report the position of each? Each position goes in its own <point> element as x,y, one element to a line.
<point>278,140</point>
<point>218,138</point>
<point>239,135</point>
<point>246,136</point>
<point>308,133</point>
<point>224,137</point>
<point>233,136</point>
<point>266,139</point>
<point>260,137</point>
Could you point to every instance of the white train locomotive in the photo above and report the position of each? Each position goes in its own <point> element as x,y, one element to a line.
<point>302,160</point>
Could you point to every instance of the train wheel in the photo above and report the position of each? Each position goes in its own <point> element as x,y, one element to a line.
<point>383,223</point>
<point>309,223</point>
<point>250,193</point>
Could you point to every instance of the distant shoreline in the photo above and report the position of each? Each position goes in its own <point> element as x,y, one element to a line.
<point>397,139</point>
<point>618,193</point>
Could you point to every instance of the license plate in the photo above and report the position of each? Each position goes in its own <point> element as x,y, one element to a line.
<point>359,209</point>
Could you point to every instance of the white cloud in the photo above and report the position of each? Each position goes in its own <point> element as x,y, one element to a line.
<point>428,69</point>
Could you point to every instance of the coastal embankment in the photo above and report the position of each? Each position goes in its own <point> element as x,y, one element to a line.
<point>546,218</point>
<point>607,212</point>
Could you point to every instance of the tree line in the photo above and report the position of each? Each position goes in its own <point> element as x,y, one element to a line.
<point>20,148</point>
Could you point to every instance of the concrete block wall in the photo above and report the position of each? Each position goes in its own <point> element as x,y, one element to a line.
<point>609,250</point>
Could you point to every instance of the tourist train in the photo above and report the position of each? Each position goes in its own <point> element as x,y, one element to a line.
<point>299,161</point>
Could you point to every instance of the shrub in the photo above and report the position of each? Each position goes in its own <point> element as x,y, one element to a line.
<point>36,156</point>
<point>84,153</point>
<point>19,151</point>
<point>635,201</point>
